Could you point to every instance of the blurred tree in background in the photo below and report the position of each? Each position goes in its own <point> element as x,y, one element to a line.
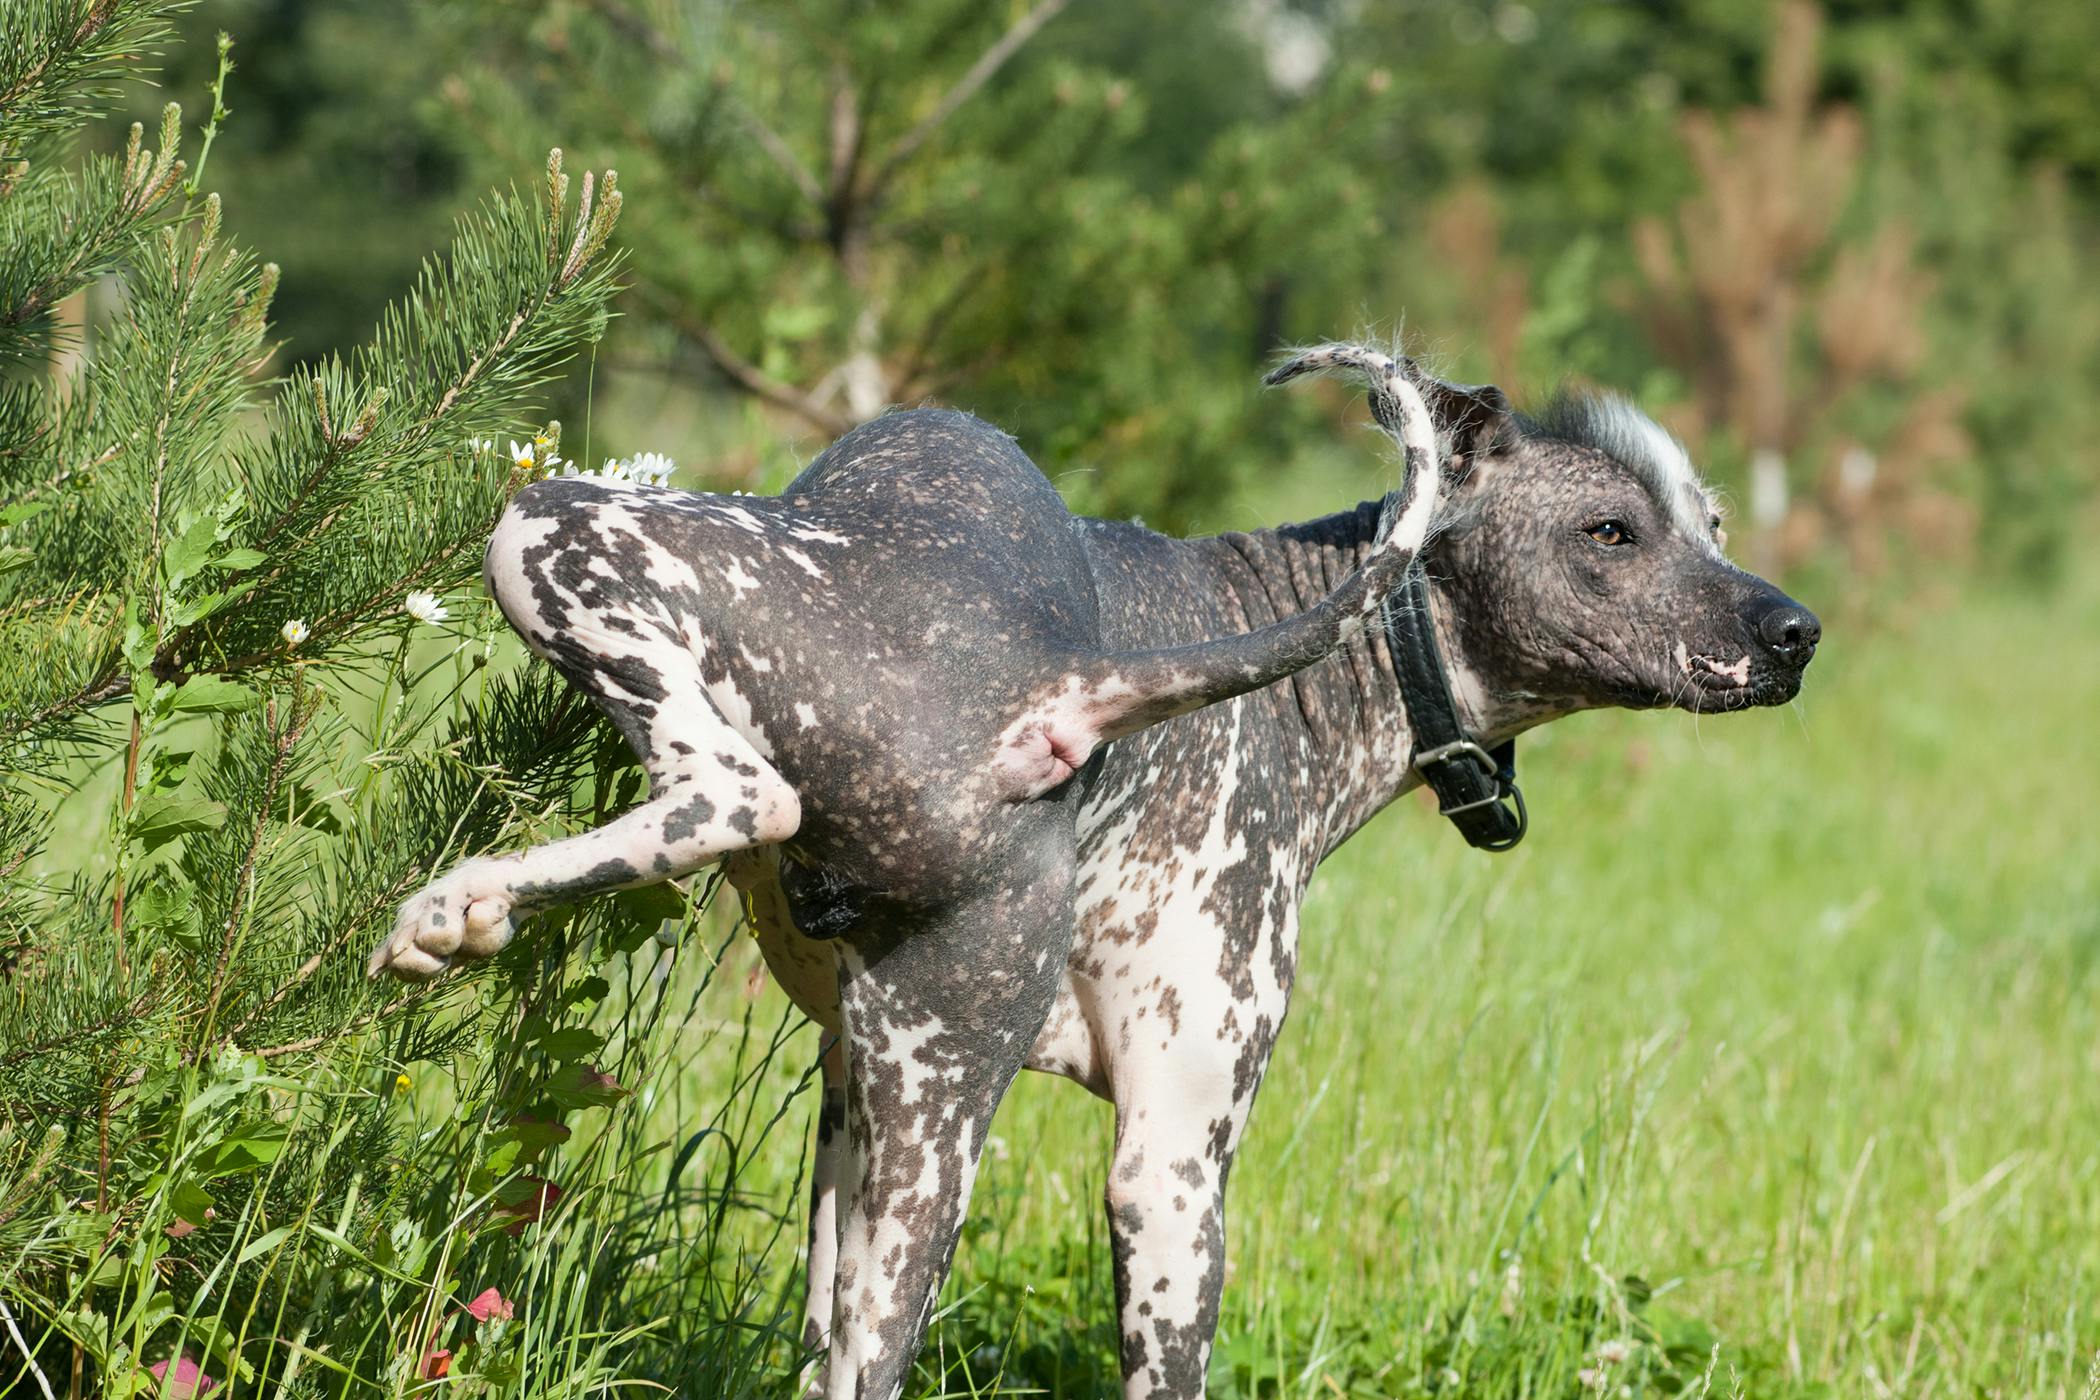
<point>1092,223</point>
<point>874,205</point>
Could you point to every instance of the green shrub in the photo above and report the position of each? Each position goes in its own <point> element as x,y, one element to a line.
<point>251,705</point>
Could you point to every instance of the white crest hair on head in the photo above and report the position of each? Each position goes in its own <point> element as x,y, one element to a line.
<point>1611,424</point>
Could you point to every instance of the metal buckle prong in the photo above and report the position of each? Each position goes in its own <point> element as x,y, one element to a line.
<point>1454,749</point>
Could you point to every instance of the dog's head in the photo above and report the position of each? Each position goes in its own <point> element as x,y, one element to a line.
<point>1584,559</point>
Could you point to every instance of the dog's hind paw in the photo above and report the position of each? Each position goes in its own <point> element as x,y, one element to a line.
<point>463,917</point>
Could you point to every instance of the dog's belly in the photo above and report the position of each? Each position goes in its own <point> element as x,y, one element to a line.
<point>807,971</point>
<point>806,968</point>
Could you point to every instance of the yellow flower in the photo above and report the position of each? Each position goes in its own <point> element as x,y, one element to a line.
<point>402,1083</point>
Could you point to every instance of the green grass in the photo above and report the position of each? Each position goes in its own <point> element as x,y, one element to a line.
<point>1777,1037</point>
<point>1767,1056</point>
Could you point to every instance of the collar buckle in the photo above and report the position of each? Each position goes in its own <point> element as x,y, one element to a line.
<point>1476,787</point>
<point>1498,831</point>
<point>1444,753</point>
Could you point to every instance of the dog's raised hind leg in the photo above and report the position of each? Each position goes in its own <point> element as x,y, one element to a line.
<point>711,793</point>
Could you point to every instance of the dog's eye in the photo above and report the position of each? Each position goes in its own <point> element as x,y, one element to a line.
<point>1609,532</point>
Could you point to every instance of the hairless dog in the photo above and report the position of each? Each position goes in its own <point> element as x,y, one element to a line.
<point>1003,786</point>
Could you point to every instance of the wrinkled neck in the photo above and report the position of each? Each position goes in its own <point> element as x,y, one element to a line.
<point>1350,703</point>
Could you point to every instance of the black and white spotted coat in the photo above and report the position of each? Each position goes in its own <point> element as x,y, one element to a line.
<point>1002,787</point>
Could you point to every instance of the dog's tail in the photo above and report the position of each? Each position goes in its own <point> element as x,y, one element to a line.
<point>1106,697</point>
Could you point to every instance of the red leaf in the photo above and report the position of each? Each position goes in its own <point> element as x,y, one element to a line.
<point>183,1381</point>
<point>585,1086</point>
<point>489,1304</point>
<point>596,1078</point>
<point>436,1363</point>
<point>540,1195</point>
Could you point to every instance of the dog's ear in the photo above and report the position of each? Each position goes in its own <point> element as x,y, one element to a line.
<point>1472,420</point>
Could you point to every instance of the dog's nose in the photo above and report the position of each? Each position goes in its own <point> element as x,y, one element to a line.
<point>1790,632</point>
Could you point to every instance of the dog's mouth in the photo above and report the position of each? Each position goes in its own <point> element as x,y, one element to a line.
<point>1717,685</point>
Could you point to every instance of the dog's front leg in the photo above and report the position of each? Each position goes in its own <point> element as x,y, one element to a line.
<point>1166,1221</point>
<point>1184,1086</point>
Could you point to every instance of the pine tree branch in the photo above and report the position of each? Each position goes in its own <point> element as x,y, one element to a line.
<point>981,72</point>
<point>132,1012</point>
<point>110,687</point>
<point>473,371</point>
<point>91,23</point>
<point>243,883</point>
<point>102,458</point>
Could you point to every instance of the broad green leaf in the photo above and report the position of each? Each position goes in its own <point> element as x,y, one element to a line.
<point>651,904</point>
<point>167,908</point>
<point>189,551</point>
<point>139,641</point>
<point>214,695</point>
<point>160,817</point>
<point>589,992</point>
<point>253,1146</point>
<point>533,1137</point>
<point>501,1158</point>
<point>234,560</point>
<point>168,766</point>
<point>571,1043</point>
<point>203,606</point>
<point>189,1201</point>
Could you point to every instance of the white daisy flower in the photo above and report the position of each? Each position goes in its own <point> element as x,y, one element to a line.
<point>524,454</point>
<point>481,444</point>
<point>294,632</point>
<point>1613,1352</point>
<point>425,607</point>
<point>652,468</point>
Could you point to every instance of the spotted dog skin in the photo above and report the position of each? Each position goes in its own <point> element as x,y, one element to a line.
<point>1006,787</point>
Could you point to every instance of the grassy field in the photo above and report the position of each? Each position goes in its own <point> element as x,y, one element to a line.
<point>1760,1069</point>
<point>1776,1038</point>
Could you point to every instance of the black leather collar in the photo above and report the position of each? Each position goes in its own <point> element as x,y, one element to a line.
<point>1476,787</point>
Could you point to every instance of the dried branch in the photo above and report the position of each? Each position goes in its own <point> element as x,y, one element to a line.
<point>980,73</point>
<point>660,46</point>
<point>740,371</point>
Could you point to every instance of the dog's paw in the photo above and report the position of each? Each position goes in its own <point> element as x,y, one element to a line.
<point>463,917</point>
